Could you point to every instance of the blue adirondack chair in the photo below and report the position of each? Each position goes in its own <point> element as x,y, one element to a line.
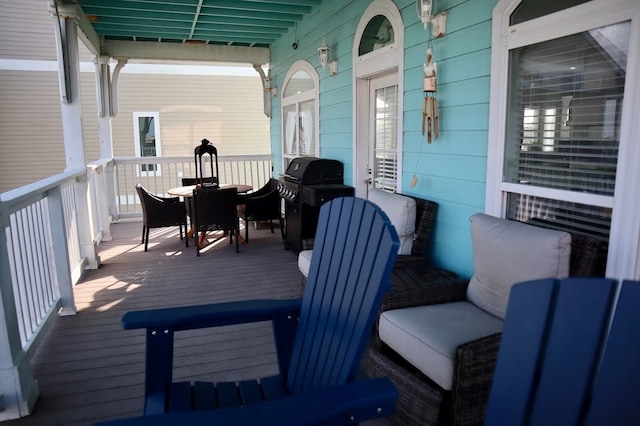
<point>570,355</point>
<point>320,338</point>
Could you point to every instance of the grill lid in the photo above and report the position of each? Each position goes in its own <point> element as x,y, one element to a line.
<point>315,171</point>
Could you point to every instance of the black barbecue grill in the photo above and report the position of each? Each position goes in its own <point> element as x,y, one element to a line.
<point>309,183</point>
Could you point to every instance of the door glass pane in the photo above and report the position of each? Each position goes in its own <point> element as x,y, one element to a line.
<point>306,128</point>
<point>565,110</point>
<point>147,140</point>
<point>385,139</point>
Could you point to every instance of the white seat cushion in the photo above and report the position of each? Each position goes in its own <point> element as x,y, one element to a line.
<point>402,214</point>
<point>401,211</point>
<point>427,336</point>
<point>304,262</point>
<point>506,252</point>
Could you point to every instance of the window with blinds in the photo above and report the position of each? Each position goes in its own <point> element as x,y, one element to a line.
<point>563,131</point>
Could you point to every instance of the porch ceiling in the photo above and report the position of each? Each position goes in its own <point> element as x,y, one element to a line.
<point>117,25</point>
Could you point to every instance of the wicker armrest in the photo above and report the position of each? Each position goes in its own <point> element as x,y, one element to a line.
<point>409,260</point>
<point>473,375</point>
<point>423,285</point>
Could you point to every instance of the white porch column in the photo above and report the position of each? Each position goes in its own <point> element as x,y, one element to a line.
<point>105,135</point>
<point>69,78</point>
<point>18,389</point>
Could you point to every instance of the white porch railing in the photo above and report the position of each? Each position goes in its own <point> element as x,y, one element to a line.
<point>39,255</point>
<point>49,232</point>
<point>159,174</point>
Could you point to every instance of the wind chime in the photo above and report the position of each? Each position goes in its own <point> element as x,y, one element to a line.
<point>430,104</point>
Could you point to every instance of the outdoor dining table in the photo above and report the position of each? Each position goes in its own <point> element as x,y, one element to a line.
<point>187,192</point>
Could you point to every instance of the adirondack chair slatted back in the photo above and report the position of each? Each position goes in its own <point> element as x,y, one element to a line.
<point>356,246</point>
<point>563,360</point>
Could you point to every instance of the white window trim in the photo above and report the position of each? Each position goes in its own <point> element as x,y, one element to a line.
<point>624,253</point>
<point>389,58</point>
<point>136,140</point>
<point>304,66</point>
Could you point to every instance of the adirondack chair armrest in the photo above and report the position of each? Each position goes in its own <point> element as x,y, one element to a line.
<point>352,402</point>
<point>211,315</point>
<point>161,325</point>
<point>473,375</point>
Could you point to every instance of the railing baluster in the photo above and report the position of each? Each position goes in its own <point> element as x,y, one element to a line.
<point>18,274</point>
<point>40,260</point>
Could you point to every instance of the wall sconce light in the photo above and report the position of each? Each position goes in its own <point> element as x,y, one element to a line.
<point>424,8</point>
<point>425,13</point>
<point>323,55</point>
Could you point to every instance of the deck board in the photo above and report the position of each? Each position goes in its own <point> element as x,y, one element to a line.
<point>89,369</point>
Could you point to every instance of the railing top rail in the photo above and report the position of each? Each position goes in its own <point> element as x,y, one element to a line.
<point>103,162</point>
<point>188,158</point>
<point>13,199</point>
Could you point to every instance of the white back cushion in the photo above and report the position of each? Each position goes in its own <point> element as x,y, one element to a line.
<point>506,252</point>
<point>402,214</point>
<point>304,262</point>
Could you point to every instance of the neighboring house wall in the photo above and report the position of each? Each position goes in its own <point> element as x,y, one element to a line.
<point>193,102</point>
<point>451,170</point>
<point>30,126</point>
<point>225,109</point>
<point>26,30</point>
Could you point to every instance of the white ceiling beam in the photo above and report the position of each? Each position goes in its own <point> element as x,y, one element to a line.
<point>148,50</point>
<point>88,35</point>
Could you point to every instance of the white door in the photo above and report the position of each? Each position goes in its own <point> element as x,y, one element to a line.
<point>378,151</point>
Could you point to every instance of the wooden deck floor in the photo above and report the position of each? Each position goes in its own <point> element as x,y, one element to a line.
<point>89,369</point>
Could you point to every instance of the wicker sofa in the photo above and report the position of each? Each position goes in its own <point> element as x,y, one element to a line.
<point>422,401</point>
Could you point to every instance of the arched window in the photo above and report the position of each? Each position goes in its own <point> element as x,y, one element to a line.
<point>300,113</point>
<point>377,34</point>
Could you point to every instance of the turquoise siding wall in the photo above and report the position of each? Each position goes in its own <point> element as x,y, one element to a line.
<point>451,170</point>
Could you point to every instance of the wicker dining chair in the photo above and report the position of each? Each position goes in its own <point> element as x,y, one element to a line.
<point>263,204</point>
<point>188,202</point>
<point>215,209</point>
<point>160,212</point>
